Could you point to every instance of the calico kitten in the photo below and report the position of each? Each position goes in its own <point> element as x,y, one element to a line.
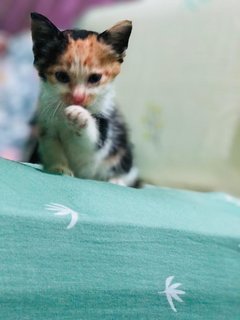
<point>81,132</point>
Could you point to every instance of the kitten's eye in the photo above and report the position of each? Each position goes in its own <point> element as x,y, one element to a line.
<point>94,78</point>
<point>62,76</point>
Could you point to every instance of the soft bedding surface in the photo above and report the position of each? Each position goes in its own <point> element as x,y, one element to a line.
<point>79,249</point>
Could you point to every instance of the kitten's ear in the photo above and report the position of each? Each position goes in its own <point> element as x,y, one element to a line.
<point>42,28</point>
<point>117,37</point>
<point>48,42</point>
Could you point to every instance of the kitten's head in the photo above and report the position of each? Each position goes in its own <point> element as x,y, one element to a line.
<point>77,64</point>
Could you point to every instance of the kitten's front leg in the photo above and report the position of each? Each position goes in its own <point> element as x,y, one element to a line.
<point>82,123</point>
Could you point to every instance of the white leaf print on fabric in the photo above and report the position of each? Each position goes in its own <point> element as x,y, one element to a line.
<point>172,292</point>
<point>61,210</point>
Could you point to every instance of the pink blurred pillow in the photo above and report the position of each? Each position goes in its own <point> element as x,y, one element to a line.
<point>14,15</point>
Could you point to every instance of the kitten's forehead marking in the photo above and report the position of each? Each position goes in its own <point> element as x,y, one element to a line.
<point>87,54</point>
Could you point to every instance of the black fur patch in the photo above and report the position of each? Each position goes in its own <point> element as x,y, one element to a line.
<point>48,43</point>
<point>80,34</point>
<point>119,140</point>
<point>125,164</point>
<point>126,161</point>
<point>137,184</point>
<point>103,126</point>
<point>120,143</point>
<point>118,40</point>
<point>119,133</point>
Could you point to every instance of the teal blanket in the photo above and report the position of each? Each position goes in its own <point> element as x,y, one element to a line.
<point>78,249</point>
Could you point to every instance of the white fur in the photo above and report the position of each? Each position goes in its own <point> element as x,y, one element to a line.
<point>72,134</point>
<point>126,179</point>
<point>82,123</point>
<point>78,134</point>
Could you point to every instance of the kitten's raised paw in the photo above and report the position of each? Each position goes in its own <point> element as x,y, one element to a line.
<point>60,170</point>
<point>77,117</point>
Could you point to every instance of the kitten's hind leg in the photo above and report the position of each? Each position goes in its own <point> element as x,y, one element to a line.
<point>118,180</point>
<point>53,157</point>
<point>60,169</point>
<point>129,179</point>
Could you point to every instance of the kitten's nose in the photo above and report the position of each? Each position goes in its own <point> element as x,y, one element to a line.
<point>79,98</point>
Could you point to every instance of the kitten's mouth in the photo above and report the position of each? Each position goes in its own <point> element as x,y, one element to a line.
<point>82,100</point>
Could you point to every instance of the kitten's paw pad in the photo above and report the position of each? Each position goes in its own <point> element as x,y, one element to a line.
<point>60,170</point>
<point>77,117</point>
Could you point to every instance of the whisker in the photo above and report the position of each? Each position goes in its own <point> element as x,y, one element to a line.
<point>51,108</point>
<point>59,105</point>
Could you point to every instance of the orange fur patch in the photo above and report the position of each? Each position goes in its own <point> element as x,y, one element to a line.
<point>84,57</point>
<point>114,160</point>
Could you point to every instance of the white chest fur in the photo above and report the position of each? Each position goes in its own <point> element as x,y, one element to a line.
<point>71,136</point>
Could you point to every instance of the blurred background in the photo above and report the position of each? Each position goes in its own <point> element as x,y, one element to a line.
<point>179,87</point>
